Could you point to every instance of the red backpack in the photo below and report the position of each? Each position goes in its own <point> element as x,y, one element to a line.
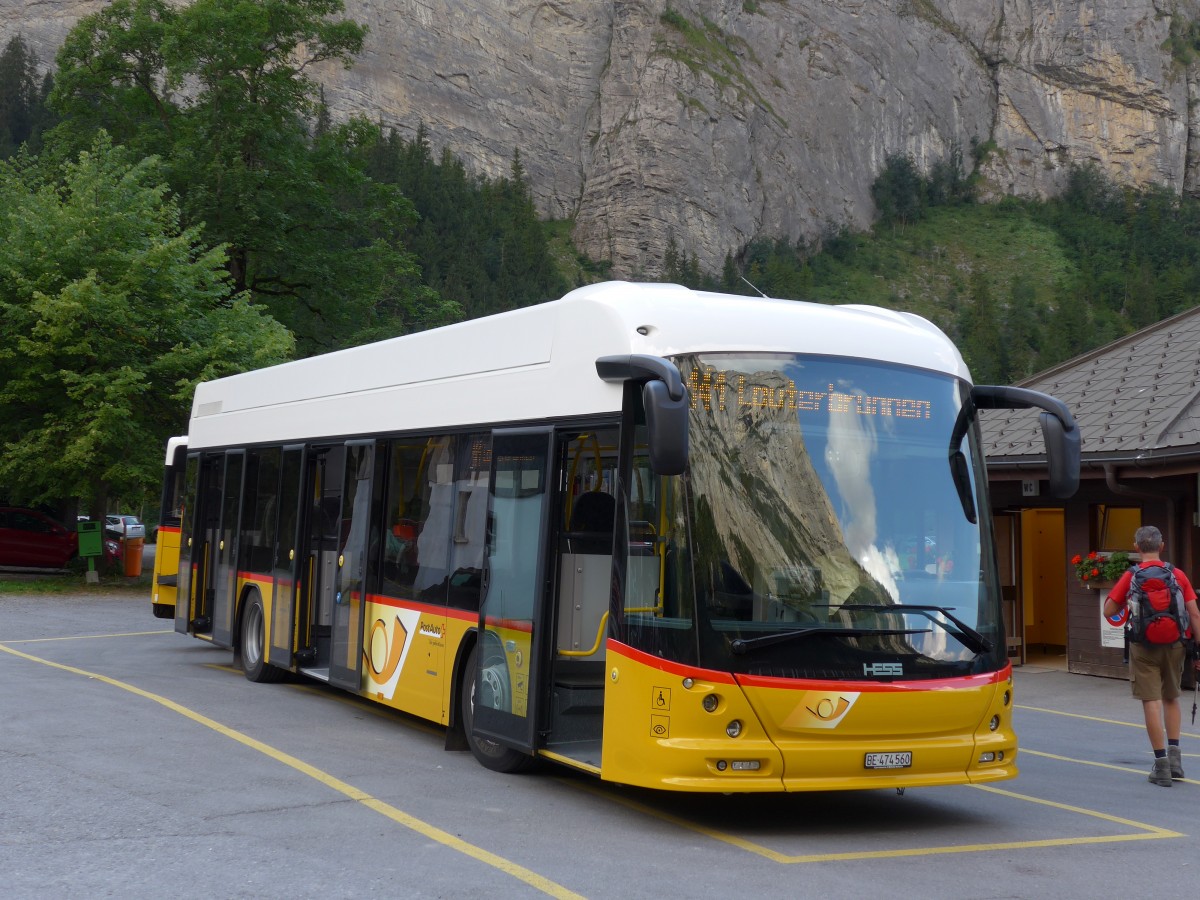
<point>1157,614</point>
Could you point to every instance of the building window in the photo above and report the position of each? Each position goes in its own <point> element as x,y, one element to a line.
<point>1114,526</point>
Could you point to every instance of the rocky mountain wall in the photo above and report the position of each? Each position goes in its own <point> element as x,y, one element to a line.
<point>714,122</point>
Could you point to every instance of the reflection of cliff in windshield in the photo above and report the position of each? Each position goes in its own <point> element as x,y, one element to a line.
<point>767,534</point>
<point>805,502</point>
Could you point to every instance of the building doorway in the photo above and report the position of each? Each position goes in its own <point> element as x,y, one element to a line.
<point>1043,586</point>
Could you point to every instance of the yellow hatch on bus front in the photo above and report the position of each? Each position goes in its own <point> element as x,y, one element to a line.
<point>916,733</point>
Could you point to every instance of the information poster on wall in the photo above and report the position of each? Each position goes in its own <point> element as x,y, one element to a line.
<point>1112,628</point>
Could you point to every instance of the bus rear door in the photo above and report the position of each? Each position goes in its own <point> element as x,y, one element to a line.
<point>345,662</point>
<point>224,549</point>
<point>288,556</point>
<point>190,584</point>
<point>212,554</point>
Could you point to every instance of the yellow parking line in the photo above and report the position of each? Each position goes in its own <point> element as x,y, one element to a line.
<point>86,637</point>
<point>1070,715</point>
<point>1146,833</point>
<point>384,809</point>
<point>1099,765</point>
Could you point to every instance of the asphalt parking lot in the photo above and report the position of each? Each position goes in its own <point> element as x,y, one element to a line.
<point>138,763</point>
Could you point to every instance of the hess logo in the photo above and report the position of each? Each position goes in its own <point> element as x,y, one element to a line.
<point>883,669</point>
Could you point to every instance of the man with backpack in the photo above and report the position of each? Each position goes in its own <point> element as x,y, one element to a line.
<point>1161,605</point>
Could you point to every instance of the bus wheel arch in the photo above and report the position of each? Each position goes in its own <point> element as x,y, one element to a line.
<point>251,640</point>
<point>456,736</point>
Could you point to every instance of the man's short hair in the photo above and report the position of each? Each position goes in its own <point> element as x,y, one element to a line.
<point>1148,538</point>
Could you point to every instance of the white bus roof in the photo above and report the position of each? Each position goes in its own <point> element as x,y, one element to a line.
<point>538,362</point>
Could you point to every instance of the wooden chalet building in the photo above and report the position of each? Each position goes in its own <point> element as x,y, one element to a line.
<point>1137,403</point>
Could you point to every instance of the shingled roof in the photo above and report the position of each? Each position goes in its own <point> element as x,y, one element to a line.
<point>1136,398</point>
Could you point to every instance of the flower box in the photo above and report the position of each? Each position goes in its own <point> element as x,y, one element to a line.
<point>1098,570</point>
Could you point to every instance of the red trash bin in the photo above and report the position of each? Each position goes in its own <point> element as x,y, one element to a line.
<point>133,556</point>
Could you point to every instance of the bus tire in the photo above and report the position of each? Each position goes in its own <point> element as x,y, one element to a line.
<point>252,641</point>
<point>490,754</point>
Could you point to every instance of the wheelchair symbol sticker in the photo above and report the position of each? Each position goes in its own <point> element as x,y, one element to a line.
<point>660,699</point>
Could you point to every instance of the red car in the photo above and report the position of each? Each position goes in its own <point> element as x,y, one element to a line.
<point>31,538</point>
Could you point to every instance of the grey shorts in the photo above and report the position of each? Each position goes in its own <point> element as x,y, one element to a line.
<point>1156,670</point>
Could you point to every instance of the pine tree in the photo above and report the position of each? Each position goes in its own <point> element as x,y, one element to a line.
<point>23,112</point>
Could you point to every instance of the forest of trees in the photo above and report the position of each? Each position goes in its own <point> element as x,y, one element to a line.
<point>265,230</point>
<point>277,232</point>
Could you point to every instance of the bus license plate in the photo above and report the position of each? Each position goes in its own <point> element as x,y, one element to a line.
<point>889,760</point>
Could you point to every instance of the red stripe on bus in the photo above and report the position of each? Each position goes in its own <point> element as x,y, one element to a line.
<point>433,609</point>
<point>664,665</point>
<point>808,684</point>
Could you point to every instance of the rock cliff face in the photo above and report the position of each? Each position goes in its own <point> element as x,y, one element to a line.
<point>718,121</point>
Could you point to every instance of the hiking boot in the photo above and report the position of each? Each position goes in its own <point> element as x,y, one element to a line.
<point>1161,773</point>
<point>1176,760</point>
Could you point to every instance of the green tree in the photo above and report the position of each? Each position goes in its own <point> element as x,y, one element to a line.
<point>478,240</point>
<point>23,112</point>
<point>979,329</point>
<point>110,313</point>
<point>222,90</point>
<point>898,192</point>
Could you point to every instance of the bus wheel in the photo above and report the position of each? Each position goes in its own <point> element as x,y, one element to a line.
<point>252,641</point>
<point>490,754</point>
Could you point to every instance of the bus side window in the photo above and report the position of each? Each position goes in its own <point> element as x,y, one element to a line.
<point>471,474</point>
<point>419,506</point>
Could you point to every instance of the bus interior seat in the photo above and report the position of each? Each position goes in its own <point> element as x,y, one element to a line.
<point>592,523</point>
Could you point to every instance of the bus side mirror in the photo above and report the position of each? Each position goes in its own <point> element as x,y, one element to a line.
<point>667,428</point>
<point>1059,431</point>
<point>1062,456</point>
<point>666,403</point>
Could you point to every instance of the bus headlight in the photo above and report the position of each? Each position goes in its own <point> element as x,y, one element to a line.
<point>710,702</point>
<point>734,728</point>
<point>995,723</point>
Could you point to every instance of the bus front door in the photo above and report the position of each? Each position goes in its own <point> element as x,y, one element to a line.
<point>512,609</point>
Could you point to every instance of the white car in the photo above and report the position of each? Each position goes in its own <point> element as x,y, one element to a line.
<point>124,527</point>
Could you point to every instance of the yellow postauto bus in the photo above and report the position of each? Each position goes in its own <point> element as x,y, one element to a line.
<point>674,539</point>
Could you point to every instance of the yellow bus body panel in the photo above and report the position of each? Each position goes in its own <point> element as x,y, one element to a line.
<point>166,564</point>
<point>404,656</point>
<point>798,735</point>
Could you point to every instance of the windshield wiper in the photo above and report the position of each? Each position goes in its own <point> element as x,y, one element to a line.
<point>745,645</point>
<point>966,635</point>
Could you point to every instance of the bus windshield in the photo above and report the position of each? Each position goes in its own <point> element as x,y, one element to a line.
<point>824,529</point>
